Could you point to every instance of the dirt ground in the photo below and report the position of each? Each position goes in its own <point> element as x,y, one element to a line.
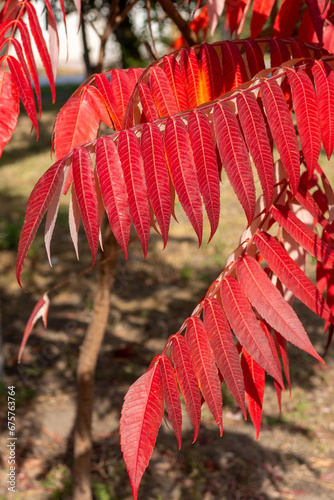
<point>294,456</point>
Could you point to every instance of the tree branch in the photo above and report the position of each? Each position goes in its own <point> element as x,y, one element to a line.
<point>183,26</point>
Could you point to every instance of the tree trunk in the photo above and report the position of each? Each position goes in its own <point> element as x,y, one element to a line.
<point>89,351</point>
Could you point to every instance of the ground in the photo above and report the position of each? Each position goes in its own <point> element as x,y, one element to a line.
<point>294,456</point>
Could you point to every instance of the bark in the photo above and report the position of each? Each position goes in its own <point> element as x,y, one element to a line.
<point>86,371</point>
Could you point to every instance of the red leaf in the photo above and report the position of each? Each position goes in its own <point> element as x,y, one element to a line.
<point>113,190</point>
<point>149,108</point>
<point>254,377</point>
<point>324,84</point>
<point>187,379</point>
<point>234,156</point>
<point>191,76</point>
<point>234,69</point>
<point>162,92</point>
<point>261,12</point>
<point>268,301</point>
<point>77,123</point>
<point>133,168</point>
<point>84,185</point>
<point>173,72</point>
<point>182,168</point>
<point>305,236</point>
<point>205,158</point>
<point>224,349</point>
<point>25,90</point>
<point>287,17</point>
<point>279,52</point>
<point>298,49</point>
<point>99,104</point>
<point>121,89</point>
<point>307,201</point>
<point>105,88</point>
<point>255,131</point>
<point>283,351</point>
<point>134,74</point>
<point>205,367</point>
<point>140,421</point>
<point>38,203</point>
<point>290,274</point>
<point>211,72</point>
<point>266,329</point>
<point>157,177</point>
<point>282,129</point>
<point>9,108</point>
<point>246,327</point>
<point>171,396</point>
<point>305,106</point>
<point>254,56</point>
<point>40,310</point>
<point>74,220</point>
<point>41,45</point>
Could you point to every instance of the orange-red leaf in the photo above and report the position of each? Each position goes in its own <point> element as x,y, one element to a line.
<point>157,177</point>
<point>106,90</point>
<point>84,185</point>
<point>9,108</point>
<point>246,327</point>
<point>234,69</point>
<point>187,379</point>
<point>171,396</point>
<point>133,168</point>
<point>182,168</point>
<point>211,72</point>
<point>205,158</point>
<point>205,367</point>
<point>254,377</point>
<point>290,274</point>
<point>140,421</point>
<point>224,349</point>
<point>113,190</point>
<point>282,129</point>
<point>191,76</point>
<point>234,156</point>
<point>268,301</point>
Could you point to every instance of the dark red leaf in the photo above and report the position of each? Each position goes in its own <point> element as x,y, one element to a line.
<point>255,132</point>
<point>211,72</point>
<point>84,185</point>
<point>173,72</point>
<point>261,12</point>
<point>205,158</point>
<point>113,190</point>
<point>141,417</point>
<point>187,379</point>
<point>149,108</point>
<point>287,17</point>
<point>268,301</point>
<point>254,377</point>
<point>171,396</point>
<point>254,56</point>
<point>157,177</point>
<point>234,156</point>
<point>38,203</point>
<point>290,274</point>
<point>234,69</point>
<point>162,92</point>
<point>305,106</point>
<point>182,168</point>
<point>133,168</point>
<point>205,367</point>
<point>246,327</point>
<point>324,84</point>
<point>224,349</point>
<point>282,129</point>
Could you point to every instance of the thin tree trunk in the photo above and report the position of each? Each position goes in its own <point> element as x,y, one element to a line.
<point>89,351</point>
